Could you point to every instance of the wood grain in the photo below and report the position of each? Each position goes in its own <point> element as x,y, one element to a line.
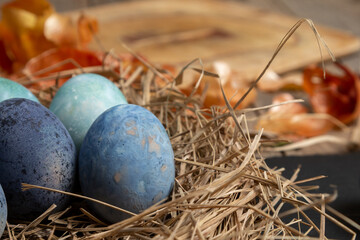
<point>245,37</point>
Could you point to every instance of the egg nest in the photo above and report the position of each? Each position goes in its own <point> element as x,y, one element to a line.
<point>223,186</point>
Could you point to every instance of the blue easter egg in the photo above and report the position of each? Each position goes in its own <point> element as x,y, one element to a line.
<point>3,211</point>
<point>10,89</point>
<point>81,100</point>
<point>35,148</point>
<point>126,160</point>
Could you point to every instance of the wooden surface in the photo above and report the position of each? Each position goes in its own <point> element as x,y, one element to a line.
<point>245,37</point>
<point>343,15</point>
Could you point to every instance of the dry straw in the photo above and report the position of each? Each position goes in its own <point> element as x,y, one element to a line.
<point>223,187</point>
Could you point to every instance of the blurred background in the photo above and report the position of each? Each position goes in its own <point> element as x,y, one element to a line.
<point>343,15</point>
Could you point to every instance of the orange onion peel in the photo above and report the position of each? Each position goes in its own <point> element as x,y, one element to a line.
<point>292,119</point>
<point>29,28</point>
<point>59,59</point>
<point>52,62</point>
<point>21,31</point>
<point>336,95</point>
<point>272,82</point>
<point>233,84</point>
<point>87,26</point>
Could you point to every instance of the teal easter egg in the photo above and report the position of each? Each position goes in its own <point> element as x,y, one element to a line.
<point>81,100</point>
<point>10,89</point>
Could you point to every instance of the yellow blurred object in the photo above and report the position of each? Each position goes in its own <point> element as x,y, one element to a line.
<point>21,30</point>
<point>30,27</point>
<point>20,15</point>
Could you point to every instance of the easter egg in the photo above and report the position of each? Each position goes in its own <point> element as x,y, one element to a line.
<point>81,100</point>
<point>126,160</point>
<point>35,148</point>
<point>10,89</point>
<point>3,211</point>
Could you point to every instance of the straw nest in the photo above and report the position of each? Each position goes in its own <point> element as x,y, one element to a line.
<point>223,187</point>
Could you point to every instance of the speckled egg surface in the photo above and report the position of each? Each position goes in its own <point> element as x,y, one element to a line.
<point>126,160</point>
<point>35,148</point>
<point>10,89</point>
<point>3,211</point>
<point>81,100</point>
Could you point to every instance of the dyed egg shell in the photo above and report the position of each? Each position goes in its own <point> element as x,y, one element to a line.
<point>126,160</point>
<point>10,89</point>
<point>35,148</point>
<point>3,211</point>
<point>81,100</point>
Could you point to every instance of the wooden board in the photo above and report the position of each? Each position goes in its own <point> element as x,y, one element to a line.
<point>245,37</point>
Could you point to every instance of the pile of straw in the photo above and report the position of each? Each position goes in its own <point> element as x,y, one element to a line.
<point>223,187</point>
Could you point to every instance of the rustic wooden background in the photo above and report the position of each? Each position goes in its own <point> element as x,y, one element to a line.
<point>344,15</point>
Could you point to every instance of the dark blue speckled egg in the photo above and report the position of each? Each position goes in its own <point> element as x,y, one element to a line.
<point>3,211</point>
<point>35,148</point>
<point>126,160</point>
